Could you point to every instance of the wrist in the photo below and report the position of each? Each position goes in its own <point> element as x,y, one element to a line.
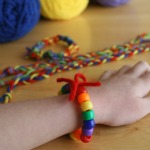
<point>98,99</point>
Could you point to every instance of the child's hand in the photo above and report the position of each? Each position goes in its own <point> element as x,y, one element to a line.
<point>122,98</point>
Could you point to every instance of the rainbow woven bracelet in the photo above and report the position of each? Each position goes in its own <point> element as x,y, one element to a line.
<point>64,61</point>
<point>77,90</point>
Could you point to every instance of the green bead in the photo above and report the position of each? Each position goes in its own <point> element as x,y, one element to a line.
<point>63,90</point>
<point>88,115</point>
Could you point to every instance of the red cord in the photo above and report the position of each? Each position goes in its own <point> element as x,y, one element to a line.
<point>74,84</point>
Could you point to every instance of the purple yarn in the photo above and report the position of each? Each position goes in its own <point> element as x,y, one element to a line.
<point>112,3</point>
<point>17,18</point>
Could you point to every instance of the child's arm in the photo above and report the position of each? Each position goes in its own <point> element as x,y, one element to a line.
<point>120,100</point>
<point>28,124</point>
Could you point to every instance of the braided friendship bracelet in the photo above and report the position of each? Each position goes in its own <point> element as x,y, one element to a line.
<point>64,61</point>
<point>77,89</point>
<point>36,52</point>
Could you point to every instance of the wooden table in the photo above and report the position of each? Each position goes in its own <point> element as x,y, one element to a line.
<point>97,28</point>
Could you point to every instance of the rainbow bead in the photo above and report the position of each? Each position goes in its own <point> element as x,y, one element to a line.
<point>65,89</point>
<point>86,139</point>
<point>87,132</point>
<point>88,115</point>
<point>60,93</point>
<point>83,97</point>
<point>87,105</point>
<point>88,124</point>
<point>75,135</point>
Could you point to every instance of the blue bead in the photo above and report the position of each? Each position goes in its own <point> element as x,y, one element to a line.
<point>88,124</point>
<point>1,99</point>
<point>67,87</point>
<point>8,89</point>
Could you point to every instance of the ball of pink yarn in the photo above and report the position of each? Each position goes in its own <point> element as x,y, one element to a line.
<point>112,3</point>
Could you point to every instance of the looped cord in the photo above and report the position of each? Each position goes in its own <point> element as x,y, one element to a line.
<point>74,84</point>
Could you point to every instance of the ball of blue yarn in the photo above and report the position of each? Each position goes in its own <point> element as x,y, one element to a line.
<point>17,18</point>
<point>112,3</point>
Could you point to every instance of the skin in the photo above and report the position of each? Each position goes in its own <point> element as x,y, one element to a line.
<point>32,123</point>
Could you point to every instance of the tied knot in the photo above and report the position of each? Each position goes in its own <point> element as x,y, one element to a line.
<point>75,84</point>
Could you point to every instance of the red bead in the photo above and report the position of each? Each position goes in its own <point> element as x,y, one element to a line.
<point>86,139</point>
<point>81,90</point>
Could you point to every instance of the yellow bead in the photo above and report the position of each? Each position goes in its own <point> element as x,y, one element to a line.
<point>6,100</point>
<point>75,135</point>
<point>86,106</point>
<point>59,93</point>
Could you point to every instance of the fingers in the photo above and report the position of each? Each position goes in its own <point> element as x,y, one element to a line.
<point>146,104</point>
<point>107,74</point>
<point>145,79</point>
<point>139,69</point>
<point>123,69</point>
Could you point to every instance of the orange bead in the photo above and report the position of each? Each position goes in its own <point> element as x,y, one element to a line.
<point>83,97</point>
<point>76,134</point>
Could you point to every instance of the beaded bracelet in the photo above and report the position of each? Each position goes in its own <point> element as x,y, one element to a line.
<point>77,89</point>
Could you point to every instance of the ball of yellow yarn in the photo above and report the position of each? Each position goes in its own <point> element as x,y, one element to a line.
<point>62,9</point>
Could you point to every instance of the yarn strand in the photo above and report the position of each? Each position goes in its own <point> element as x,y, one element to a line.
<point>64,61</point>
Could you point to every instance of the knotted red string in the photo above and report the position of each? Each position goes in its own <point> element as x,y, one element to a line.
<point>74,84</point>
